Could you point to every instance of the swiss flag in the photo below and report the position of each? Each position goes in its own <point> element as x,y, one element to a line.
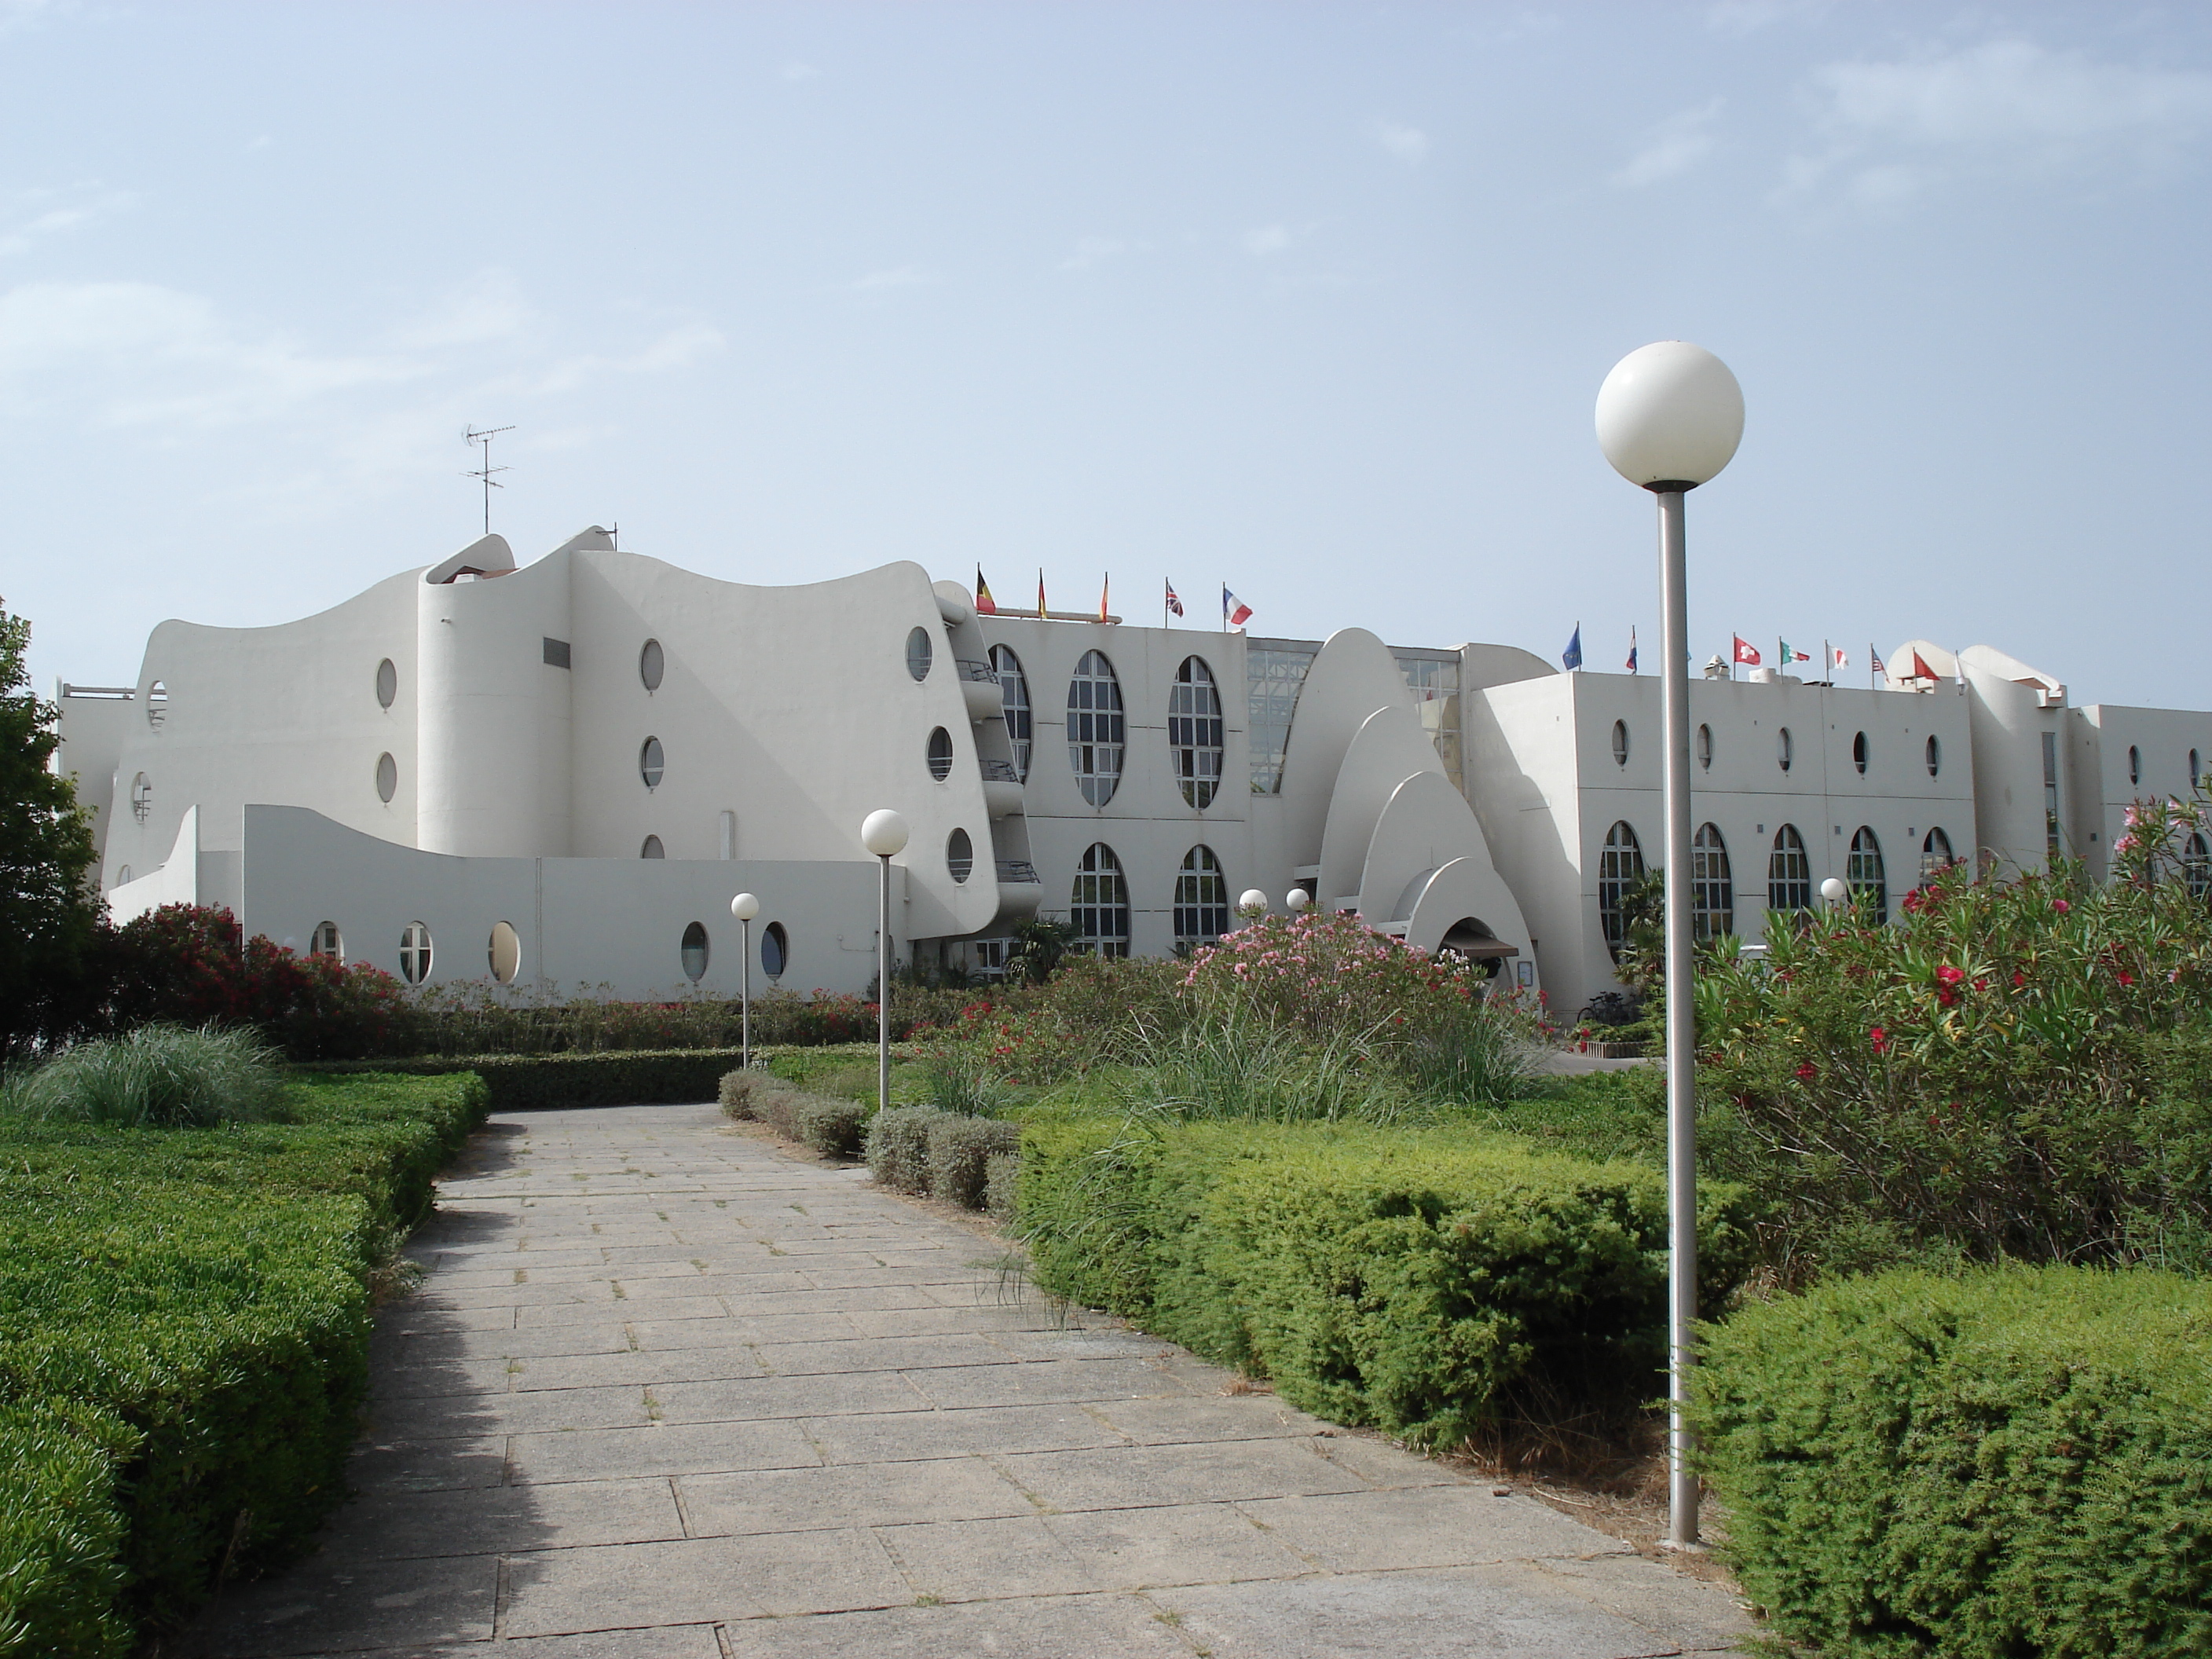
<point>1746,651</point>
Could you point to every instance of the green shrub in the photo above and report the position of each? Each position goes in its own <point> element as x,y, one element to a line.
<point>836,1128</point>
<point>61,1532</point>
<point>899,1147</point>
<point>735,1094</point>
<point>531,1082</point>
<point>1415,1280</point>
<point>2002,1463</point>
<point>1002,1176</point>
<point>1241,1067</point>
<point>959,1149</point>
<point>159,1075</point>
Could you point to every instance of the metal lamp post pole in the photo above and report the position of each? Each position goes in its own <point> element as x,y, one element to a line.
<point>745,994</point>
<point>1681,1021</point>
<point>884,834</point>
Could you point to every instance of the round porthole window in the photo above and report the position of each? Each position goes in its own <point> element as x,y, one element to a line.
<point>693,950</point>
<point>506,952</point>
<point>940,754</point>
<point>415,953</point>
<point>918,653</point>
<point>775,949</point>
<point>1859,750</point>
<point>1785,751</point>
<point>652,848</point>
<point>959,855</point>
<point>651,663</point>
<point>388,683</point>
<point>652,763</point>
<point>1620,742</point>
<point>387,778</point>
<point>2135,763</point>
<point>1705,747</point>
<point>1935,757</point>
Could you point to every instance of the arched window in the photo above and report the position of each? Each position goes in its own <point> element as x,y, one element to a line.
<point>652,763</point>
<point>157,710</point>
<point>1863,871</point>
<point>1100,907</point>
<point>1095,727</point>
<point>1859,750</point>
<point>692,951</point>
<point>919,654</point>
<point>1706,748</point>
<point>2195,771</point>
<point>1014,689</point>
<point>775,949</point>
<point>2197,864</point>
<point>325,941</point>
<point>1202,899</point>
<point>415,953</point>
<point>2135,764</point>
<point>940,754</point>
<point>387,778</point>
<point>652,849</point>
<point>1619,866</point>
<point>1712,889</point>
<point>505,952</point>
<point>1788,873</point>
<point>1194,731</point>
<point>142,797</point>
<point>1934,854</point>
<point>1784,750</point>
<point>388,683</point>
<point>1620,742</point>
<point>651,665</point>
<point>1934,755</point>
<point>959,855</point>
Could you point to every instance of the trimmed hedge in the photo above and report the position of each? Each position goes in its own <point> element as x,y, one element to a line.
<point>960,1149</point>
<point>899,1147</point>
<point>531,1082</point>
<point>1407,1280</point>
<point>184,1325</point>
<point>2006,1462</point>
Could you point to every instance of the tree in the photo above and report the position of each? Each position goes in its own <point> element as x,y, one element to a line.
<point>49,914</point>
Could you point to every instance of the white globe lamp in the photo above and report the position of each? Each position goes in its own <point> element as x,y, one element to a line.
<point>1833,890</point>
<point>1670,415</point>
<point>1252,902</point>
<point>883,832</point>
<point>1297,901</point>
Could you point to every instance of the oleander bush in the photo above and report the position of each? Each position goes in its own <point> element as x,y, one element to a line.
<point>183,1320</point>
<point>1421,1281</point>
<point>1998,1463</point>
<point>158,1076</point>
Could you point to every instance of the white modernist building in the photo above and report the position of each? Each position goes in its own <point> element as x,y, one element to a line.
<point>553,778</point>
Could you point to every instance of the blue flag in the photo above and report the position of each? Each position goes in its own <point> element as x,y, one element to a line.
<point>1632,650</point>
<point>1572,656</point>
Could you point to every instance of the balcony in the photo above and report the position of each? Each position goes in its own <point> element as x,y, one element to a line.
<point>979,688</point>
<point>1002,788</point>
<point>1018,872</point>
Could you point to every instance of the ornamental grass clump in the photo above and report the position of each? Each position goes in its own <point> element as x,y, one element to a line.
<point>2011,1069</point>
<point>156,1077</point>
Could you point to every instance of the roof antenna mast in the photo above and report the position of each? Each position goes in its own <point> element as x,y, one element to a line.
<point>486,470</point>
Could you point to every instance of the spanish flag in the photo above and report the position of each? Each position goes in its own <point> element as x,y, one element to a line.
<point>1104,588</point>
<point>984,604</point>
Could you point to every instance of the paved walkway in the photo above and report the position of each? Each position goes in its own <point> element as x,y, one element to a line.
<point>669,1393</point>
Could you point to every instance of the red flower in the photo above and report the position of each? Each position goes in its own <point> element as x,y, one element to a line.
<point>2018,979</point>
<point>1949,976</point>
<point>1946,996</point>
<point>2126,977</point>
<point>1880,1040</point>
<point>2061,906</point>
<point>1807,1072</point>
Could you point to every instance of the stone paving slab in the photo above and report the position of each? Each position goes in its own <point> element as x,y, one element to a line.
<point>669,1392</point>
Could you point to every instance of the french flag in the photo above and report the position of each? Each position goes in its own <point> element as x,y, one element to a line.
<point>1234,610</point>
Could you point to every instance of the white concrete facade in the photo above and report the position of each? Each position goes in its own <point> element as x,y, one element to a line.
<point>596,751</point>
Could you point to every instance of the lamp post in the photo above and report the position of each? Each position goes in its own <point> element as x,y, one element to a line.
<point>1298,901</point>
<point>1669,416</point>
<point>744,908</point>
<point>1833,890</point>
<point>883,832</point>
<point>1251,904</point>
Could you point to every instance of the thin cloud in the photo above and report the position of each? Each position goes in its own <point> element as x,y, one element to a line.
<point>1267,241</point>
<point>1096,251</point>
<point>1407,144</point>
<point>1673,147</point>
<point>41,220</point>
<point>795,70</point>
<point>1893,130</point>
<point>881,282</point>
<point>489,306</point>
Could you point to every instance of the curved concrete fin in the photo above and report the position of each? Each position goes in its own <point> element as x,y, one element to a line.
<point>486,555</point>
<point>1467,889</point>
<point>1388,748</point>
<point>590,539</point>
<point>1426,834</point>
<point>1352,677</point>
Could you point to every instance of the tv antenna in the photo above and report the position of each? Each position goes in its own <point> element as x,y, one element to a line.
<point>486,470</point>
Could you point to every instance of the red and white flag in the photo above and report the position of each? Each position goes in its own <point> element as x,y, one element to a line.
<point>1843,658</point>
<point>1746,652</point>
<point>1174,604</point>
<point>1234,611</point>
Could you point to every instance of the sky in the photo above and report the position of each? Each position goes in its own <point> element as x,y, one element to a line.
<point>1312,299</point>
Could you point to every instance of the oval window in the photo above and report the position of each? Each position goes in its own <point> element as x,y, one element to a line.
<point>1705,747</point>
<point>1784,750</point>
<point>1859,750</point>
<point>1936,755</point>
<point>1014,688</point>
<point>652,763</point>
<point>388,683</point>
<point>1096,728</point>
<point>142,797</point>
<point>775,949</point>
<point>387,778</point>
<point>959,855</point>
<point>1195,731</point>
<point>918,653</point>
<point>1620,742</point>
<point>506,952</point>
<point>2195,771</point>
<point>693,950</point>
<point>652,848</point>
<point>940,754</point>
<point>325,941</point>
<point>157,703</point>
<point>651,663</point>
<point>415,953</point>
<point>2135,763</point>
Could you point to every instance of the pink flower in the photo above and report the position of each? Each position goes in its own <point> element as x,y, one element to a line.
<point>2061,906</point>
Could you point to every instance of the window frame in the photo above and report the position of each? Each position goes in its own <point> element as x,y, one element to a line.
<point>1098,901</point>
<point>1619,865</point>
<point>1202,897</point>
<point>1789,871</point>
<point>1197,736</point>
<point>1712,885</point>
<point>1097,727</point>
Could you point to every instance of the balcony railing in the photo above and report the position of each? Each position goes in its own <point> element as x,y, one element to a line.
<point>975,670</point>
<point>998,771</point>
<point>1019,871</point>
